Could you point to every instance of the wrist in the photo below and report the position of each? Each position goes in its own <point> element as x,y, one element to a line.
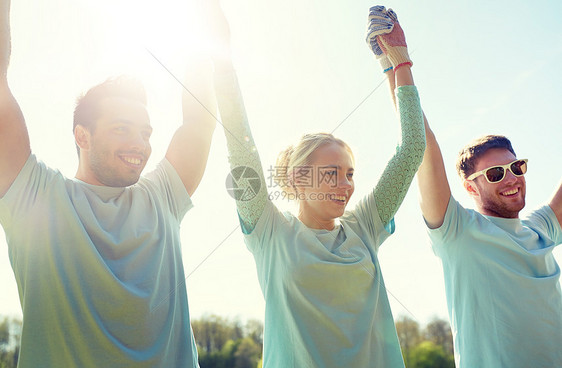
<point>386,65</point>
<point>406,63</point>
<point>398,55</point>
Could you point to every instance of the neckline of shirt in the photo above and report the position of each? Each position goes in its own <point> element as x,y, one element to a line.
<point>104,192</point>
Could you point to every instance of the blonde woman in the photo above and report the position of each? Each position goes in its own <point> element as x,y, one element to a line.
<point>326,304</point>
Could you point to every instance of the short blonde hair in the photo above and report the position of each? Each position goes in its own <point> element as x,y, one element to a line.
<point>299,155</point>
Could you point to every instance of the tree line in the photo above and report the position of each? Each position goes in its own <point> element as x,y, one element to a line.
<point>224,343</point>
<point>427,347</point>
<point>229,343</point>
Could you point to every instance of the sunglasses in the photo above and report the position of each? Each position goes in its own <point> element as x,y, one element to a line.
<point>495,174</point>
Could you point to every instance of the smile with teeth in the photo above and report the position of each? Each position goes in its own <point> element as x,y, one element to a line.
<point>132,160</point>
<point>339,198</point>
<point>510,192</point>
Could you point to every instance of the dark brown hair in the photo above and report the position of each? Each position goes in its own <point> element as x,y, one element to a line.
<point>469,155</point>
<point>87,105</point>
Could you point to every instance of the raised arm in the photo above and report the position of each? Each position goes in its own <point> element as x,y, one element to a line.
<point>432,179</point>
<point>395,181</point>
<point>245,164</point>
<point>432,182</point>
<point>387,42</point>
<point>556,203</point>
<point>189,149</point>
<point>14,140</point>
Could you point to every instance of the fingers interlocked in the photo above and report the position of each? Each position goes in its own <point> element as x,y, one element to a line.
<point>386,38</point>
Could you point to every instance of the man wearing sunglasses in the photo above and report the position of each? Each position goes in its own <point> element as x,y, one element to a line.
<point>501,279</point>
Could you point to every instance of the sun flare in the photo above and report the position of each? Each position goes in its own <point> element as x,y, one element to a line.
<point>136,33</point>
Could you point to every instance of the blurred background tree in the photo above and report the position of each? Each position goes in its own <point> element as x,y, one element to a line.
<point>430,347</point>
<point>10,331</point>
<point>224,343</point>
<point>408,332</point>
<point>429,355</point>
<point>439,332</point>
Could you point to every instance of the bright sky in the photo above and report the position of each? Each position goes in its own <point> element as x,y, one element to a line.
<point>481,67</point>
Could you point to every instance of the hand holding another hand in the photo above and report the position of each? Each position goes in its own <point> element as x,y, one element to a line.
<point>386,38</point>
<point>379,23</point>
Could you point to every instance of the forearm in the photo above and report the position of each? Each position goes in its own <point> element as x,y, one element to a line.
<point>241,148</point>
<point>397,78</point>
<point>189,149</point>
<point>432,182</point>
<point>401,169</point>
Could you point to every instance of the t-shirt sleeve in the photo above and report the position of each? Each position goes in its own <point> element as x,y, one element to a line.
<point>367,217</point>
<point>544,219</point>
<point>455,222</point>
<point>270,222</point>
<point>31,180</point>
<point>167,181</point>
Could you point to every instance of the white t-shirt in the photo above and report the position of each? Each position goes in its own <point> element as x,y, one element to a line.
<point>503,289</point>
<point>326,303</point>
<point>99,270</point>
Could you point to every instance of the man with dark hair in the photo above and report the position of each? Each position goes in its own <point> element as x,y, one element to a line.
<point>97,258</point>
<point>87,105</point>
<point>469,155</point>
<point>501,279</point>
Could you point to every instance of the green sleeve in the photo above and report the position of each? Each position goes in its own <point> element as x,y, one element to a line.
<point>249,182</point>
<point>400,170</point>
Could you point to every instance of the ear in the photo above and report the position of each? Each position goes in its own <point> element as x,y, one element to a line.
<point>82,137</point>
<point>471,188</point>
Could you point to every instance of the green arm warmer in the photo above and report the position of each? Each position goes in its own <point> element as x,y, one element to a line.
<point>400,170</point>
<point>244,159</point>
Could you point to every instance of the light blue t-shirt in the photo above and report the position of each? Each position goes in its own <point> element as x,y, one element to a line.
<point>326,303</point>
<point>99,270</point>
<point>502,286</point>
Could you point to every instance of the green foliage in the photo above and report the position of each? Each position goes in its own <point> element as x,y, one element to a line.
<point>213,332</point>
<point>223,343</point>
<point>439,332</point>
<point>247,354</point>
<point>409,335</point>
<point>227,344</point>
<point>429,355</point>
<point>430,347</point>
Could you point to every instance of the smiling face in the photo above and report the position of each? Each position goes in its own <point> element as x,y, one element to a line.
<point>503,199</point>
<point>324,198</point>
<point>115,151</point>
